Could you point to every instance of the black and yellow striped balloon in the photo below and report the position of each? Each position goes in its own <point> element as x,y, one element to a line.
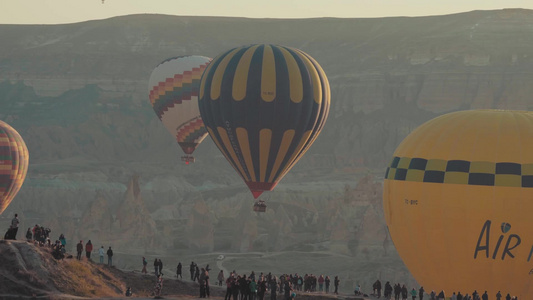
<point>263,106</point>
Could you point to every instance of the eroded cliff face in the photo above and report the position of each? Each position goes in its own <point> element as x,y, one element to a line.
<point>77,93</point>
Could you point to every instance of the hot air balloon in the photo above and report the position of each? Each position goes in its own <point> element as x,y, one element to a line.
<point>174,86</point>
<point>457,200</point>
<point>14,160</point>
<point>263,106</point>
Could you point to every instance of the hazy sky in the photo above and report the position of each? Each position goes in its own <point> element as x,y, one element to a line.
<point>71,11</point>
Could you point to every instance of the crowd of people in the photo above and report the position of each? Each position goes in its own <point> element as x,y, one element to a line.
<point>254,287</point>
<point>402,292</point>
<point>241,286</point>
<point>40,235</point>
<point>89,249</point>
<point>248,287</point>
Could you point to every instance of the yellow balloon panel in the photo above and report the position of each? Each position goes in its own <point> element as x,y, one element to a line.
<point>457,200</point>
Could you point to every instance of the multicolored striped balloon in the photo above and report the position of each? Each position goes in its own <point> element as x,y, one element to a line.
<point>174,86</point>
<point>263,106</point>
<point>14,160</point>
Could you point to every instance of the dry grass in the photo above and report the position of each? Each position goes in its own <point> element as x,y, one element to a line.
<point>87,279</point>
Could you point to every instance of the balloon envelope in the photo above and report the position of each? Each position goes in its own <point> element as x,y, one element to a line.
<point>173,87</point>
<point>263,106</point>
<point>14,160</point>
<point>457,200</point>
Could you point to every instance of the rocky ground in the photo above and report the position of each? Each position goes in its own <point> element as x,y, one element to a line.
<point>28,271</point>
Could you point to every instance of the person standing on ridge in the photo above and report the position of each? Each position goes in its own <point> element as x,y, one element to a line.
<point>404,292</point>
<point>207,282</point>
<point>441,295</point>
<point>357,290</point>
<point>336,284</point>
<point>160,264</point>
<point>178,271</point>
<point>197,273</point>
<point>413,293</point>
<point>109,257</point>
<point>220,277</point>
<point>474,295</point>
<point>432,295</point>
<point>63,240</point>
<point>88,249</point>
<point>498,296</point>
<point>459,296</point>
<point>387,290</point>
<point>454,296</point>
<point>79,249</point>
<point>421,293</point>
<point>229,283</point>
<point>14,227</point>
<point>192,269</point>
<point>144,266</point>
<point>378,288</point>
<point>273,288</point>
<point>321,280</point>
<point>101,254</point>
<point>253,289</point>
<point>156,267</point>
<point>202,282</point>
<point>29,235</point>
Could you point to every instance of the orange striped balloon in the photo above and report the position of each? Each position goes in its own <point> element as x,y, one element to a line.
<point>14,160</point>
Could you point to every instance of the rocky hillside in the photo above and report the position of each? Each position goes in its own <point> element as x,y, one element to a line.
<point>103,167</point>
<point>30,272</point>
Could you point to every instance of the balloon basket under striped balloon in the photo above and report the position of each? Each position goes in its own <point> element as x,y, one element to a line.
<point>260,206</point>
<point>188,159</point>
